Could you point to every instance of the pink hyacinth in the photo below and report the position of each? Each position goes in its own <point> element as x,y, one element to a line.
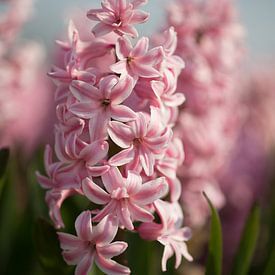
<point>127,198</point>
<point>137,61</point>
<point>169,233</point>
<point>144,141</point>
<point>114,143</point>
<point>118,16</point>
<point>93,243</point>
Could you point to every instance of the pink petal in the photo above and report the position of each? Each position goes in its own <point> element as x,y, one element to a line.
<point>59,146</point>
<point>124,215</point>
<point>162,212</point>
<point>107,84</point>
<point>85,265</point>
<point>119,67</point>
<point>133,182</point>
<point>137,3</point>
<point>175,189</point>
<point>98,126</point>
<point>128,29</point>
<point>96,171</point>
<point>84,91</point>
<point>184,252</point>
<point>112,179</point>
<point>111,250</point>
<point>91,14</point>
<point>121,134</point>
<point>74,256</point>
<point>83,226</point>
<point>111,267</point>
<point>94,193</point>
<point>139,213</point>
<point>107,210</point>
<point>147,160</point>
<point>101,29</point>
<point>150,230</point>
<point>106,230</point>
<point>151,191</point>
<point>167,253</point>
<point>140,69</point>
<point>141,47</point>
<point>139,17</point>
<point>154,56</point>
<point>123,157</point>
<point>68,241</point>
<point>122,113</point>
<point>174,100</point>
<point>95,152</point>
<point>85,110</point>
<point>44,181</point>
<point>177,248</point>
<point>123,48</point>
<point>122,90</point>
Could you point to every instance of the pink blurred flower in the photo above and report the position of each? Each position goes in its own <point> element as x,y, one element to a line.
<point>25,99</point>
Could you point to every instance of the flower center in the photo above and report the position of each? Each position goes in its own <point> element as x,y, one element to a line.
<point>137,141</point>
<point>129,59</point>
<point>199,36</point>
<point>106,102</point>
<point>120,193</point>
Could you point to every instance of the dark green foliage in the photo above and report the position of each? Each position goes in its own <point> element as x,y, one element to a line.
<point>214,258</point>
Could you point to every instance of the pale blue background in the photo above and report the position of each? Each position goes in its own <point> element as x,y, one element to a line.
<point>258,16</point>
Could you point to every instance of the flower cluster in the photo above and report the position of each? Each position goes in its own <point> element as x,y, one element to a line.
<point>210,42</point>
<point>24,98</point>
<point>114,144</point>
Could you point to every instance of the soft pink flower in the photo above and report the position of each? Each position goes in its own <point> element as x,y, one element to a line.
<point>93,244</point>
<point>169,233</point>
<point>137,61</point>
<point>105,102</point>
<point>144,141</point>
<point>118,16</point>
<point>127,198</point>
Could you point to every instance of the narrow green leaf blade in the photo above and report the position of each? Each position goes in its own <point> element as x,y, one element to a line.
<point>214,258</point>
<point>4,157</point>
<point>270,268</point>
<point>247,243</point>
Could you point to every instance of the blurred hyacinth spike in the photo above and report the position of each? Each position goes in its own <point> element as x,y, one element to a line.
<point>25,99</point>
<point>210,41</point>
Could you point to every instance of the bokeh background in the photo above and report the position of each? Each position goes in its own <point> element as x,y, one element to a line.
<point>257,16</point>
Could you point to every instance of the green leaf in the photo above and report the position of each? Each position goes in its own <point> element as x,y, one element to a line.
<point>4,157</point>
<point>214,258</point>
<point>48,250</point>
<point>270,268</point>
<point>247,243</point>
